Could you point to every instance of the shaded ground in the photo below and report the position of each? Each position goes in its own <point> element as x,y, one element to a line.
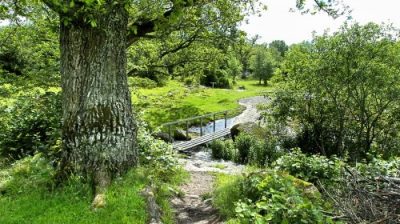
<point>194,207</point>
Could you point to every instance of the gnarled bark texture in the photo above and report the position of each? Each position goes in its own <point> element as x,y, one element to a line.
<point>98,124</point>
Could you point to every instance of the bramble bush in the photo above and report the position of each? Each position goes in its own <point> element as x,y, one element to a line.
<point>31,124</point>
<point>309,167</point>
<point>380,167</point>
<point>157,154</point>
<point>270,197</point>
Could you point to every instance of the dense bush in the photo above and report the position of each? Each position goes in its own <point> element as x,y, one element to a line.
<point>218,77</point>
<point>190,81</point>
<point>257,154</point>
<point>223,149</point>
<point>256,151</point>
<point>142,82</point>
<point>310,168</point>
<point>269,197</point>
<point>11,61</point>
<point>339,96</point>
<point>264,152</point>
<point>274,197</point>
<point>158,155</point>
<point>31,124</point>
<point>243,143</point>
<point>377,167</point>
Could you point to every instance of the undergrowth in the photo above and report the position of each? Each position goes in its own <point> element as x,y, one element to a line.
<point>269,197</point>
<point>29,196</point>
<point>28,193</point>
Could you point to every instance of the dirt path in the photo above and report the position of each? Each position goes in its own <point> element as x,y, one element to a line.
<point>250,114</point>
<point>195,207</point>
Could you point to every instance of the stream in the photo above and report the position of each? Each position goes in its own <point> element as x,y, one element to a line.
<point>250,114</point>
<point>209,127</point>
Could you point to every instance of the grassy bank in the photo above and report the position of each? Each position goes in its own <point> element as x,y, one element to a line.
<point>28,195</point>
<point>176,101</point>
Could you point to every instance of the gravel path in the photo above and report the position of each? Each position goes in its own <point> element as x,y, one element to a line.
<point>194,207</point>
<point>250,114</point>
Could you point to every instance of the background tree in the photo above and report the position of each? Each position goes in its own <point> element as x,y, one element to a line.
<point>280,46</point>
<point>263,64</point>
<point>343,90</point>
<point>244,50</point>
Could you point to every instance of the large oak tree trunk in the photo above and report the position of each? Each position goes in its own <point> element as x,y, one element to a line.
<point>98,125</point>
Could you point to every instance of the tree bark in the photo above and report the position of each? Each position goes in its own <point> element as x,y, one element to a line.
<point>99,130</point>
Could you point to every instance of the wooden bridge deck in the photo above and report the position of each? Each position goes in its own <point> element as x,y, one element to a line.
<point>182,146</point>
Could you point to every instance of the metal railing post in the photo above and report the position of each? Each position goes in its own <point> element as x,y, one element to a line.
<point>187,129</point>
<point>201,126</point>
<point>169,133</point>
<point>226,121</point>
<point>214,123</point>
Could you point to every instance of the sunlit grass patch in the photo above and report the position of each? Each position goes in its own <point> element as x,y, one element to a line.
<point>176,101</point>
<point>38,201</point>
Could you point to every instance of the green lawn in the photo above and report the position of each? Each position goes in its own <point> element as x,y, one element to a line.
<point>71,204</point>
<point>28,195</point>
<point>175,101</point>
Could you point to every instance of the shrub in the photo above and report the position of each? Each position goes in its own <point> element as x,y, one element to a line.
<point>223,149</point>
<point>226,193</point>
<point>218,77</point>
<point>380,167</point>
<point>26,174</point>
<point>190,81</point>
<point>268,197</point>
<point>310,168</point>
<point>243,143</point>
<point>32,125</point>
<point>142,82</point>
<point>263,153</point>
<point>217,149</point>
<point>257,154</point>
<point>273,197</point>
<point>158,155</point>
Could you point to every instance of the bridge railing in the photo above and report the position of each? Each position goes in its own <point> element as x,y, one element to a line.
<point>202,118</point>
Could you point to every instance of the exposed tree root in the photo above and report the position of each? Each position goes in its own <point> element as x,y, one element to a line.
<point>153,208</point>
<point>101,181</point>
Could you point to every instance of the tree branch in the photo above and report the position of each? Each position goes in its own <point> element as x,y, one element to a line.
<point>182,45</point>
<point>141,28</point>
<point>56,6</point>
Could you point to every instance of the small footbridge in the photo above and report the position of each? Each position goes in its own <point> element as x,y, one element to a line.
<point>205,134</point>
